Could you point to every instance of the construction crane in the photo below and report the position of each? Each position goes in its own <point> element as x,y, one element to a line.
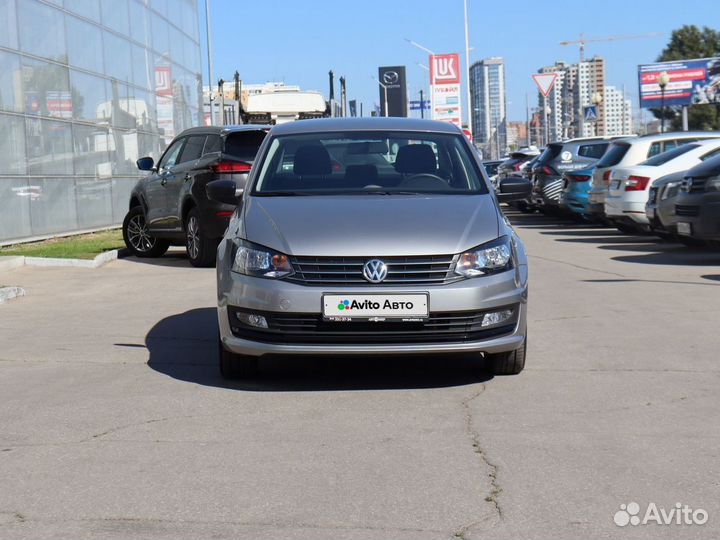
<point>582,41</point>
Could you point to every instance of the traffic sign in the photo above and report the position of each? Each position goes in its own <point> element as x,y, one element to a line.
<point>545,82</point>
<point>591,113</point>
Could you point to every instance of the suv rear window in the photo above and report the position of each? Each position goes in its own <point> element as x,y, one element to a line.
<point>613,155</point>
<point>551,152</point>
<point>594,151</point>
<point>244,144</point>
<point>663,158</point>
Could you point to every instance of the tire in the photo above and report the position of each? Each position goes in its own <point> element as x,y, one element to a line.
<point>690,242</point>
<point>525,208</point>
<point>200,249</point>
<point>137,238</point>
<point>507,363</point>
<point>625,228</point>
<point>236,366</point>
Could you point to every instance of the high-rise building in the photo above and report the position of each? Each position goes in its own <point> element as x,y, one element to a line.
<point>618,113</point>
<point>575,86</point>
<point>86,88</point>
<point>487,95</point>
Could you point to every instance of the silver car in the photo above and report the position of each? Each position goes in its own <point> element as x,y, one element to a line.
<point>368,236</point>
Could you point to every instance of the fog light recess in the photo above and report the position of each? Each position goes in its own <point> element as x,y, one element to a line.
<point>252,319</point>
<point>496,317</point>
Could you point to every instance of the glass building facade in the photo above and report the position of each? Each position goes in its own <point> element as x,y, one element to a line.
<point>87,87</point>
<point>487,95</point>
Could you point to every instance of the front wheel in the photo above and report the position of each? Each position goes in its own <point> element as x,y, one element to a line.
<point>236,366</point>
<point>138,238</point>
<point>201,250</point>
<point>507,363</point>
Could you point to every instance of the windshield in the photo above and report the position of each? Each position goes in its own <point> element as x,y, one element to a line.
<point>369,162</point>
<point>663,158</point>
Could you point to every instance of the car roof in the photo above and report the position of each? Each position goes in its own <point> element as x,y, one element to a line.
<point>319,125</point>
<point>222,130</point>
<point>675,135</point>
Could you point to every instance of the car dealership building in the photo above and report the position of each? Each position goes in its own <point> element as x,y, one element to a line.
<point>87,87</point>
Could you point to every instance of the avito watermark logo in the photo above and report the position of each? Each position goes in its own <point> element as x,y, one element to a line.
<point>680,514</point>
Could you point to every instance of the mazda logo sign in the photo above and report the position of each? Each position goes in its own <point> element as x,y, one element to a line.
<point>391,77</point>
<point>375,271</point>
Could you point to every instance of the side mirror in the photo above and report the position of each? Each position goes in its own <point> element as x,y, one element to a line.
<point>145,163</point>
<point>514,188</point>
<point>224,191</point>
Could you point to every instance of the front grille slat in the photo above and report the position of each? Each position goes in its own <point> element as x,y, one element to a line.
<point>687,210</point>
<point>414,270</point>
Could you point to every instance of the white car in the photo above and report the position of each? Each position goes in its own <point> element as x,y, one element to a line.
<point>633,150</point>
<point>629,186</point>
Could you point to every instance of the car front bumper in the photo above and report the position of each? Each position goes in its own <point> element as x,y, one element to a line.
<point>701,212</point>
<point>285,298</point>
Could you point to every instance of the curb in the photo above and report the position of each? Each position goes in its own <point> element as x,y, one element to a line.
<point>8,293</point>
<point>8,263</point>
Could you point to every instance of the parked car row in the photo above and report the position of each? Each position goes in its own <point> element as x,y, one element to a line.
<point>637,184</point>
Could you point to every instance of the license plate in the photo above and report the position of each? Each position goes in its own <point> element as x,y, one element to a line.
<point>684,228</point>
<point>375,307</point>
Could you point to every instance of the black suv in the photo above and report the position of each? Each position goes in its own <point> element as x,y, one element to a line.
<point>697,206</point>
<point>170,206</point>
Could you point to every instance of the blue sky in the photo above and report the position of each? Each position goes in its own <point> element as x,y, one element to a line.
<point>298,41</point>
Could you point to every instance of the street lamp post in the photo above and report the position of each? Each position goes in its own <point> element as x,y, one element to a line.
<point>597,100</point>
<point>385,94</point>
<point>663,81</point>
<point>547,110</point>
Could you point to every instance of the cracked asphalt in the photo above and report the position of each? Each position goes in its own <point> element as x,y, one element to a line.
<point>115,424</point>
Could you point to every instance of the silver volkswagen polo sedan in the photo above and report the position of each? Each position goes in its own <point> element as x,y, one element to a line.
<point>368,236</point>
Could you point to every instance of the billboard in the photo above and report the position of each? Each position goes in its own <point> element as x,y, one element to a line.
<point>393,78</point>
<point>445,88</point>
<point>691,82</point>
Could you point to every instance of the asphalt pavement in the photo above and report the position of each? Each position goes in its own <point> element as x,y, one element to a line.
<point>114,422</point>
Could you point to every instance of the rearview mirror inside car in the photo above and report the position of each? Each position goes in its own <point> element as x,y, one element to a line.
<point>224,191</point>
<point>145,163</point>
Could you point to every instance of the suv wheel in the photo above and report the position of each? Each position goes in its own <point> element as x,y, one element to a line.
<point>201,250</point>
<point>137,237</point>
<point>236,366</point>
<point>507,363</point>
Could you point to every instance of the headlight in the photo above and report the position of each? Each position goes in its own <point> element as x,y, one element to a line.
<point>490,258</point>
<point>253,260</point>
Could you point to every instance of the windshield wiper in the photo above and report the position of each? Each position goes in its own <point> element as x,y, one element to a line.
<point>282,193</point>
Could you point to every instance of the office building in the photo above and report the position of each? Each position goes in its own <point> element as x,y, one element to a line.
<point>87,87</point>
<point>618,113</point>
<point>487,95</point>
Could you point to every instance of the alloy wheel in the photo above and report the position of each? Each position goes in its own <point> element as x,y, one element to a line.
<point>138,235</point>
<point>193,237</point>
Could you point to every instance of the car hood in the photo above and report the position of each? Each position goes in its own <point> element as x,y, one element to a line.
<point>370,225</point>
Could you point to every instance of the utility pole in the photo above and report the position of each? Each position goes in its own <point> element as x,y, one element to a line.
<point>208,35</point>
<point>221,93</point>
<point>236,78</point>
<point>331,75</point>
<point>422,104</point>
<point>467,74</point>
<point>527,120</point>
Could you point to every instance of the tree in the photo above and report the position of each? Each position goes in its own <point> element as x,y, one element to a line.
<point>686,43</point>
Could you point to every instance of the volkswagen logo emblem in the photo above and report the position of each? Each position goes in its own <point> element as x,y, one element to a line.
<point>391,77</point>
<point>375,271</point>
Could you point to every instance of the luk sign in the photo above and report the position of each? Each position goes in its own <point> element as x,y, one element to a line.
<point>445,88</point>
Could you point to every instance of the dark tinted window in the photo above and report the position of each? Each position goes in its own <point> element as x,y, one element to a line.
<point>171,156</point>
<point>711,154</point>
<point>594,151</point>
<point>613,154</point>
<point>213,144</point>
<point>655,149</point>
<point>244,144</point>
<point>663,158</point>
<point>669,145</point>
<point>193,148</point>
<point>551,152</point>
